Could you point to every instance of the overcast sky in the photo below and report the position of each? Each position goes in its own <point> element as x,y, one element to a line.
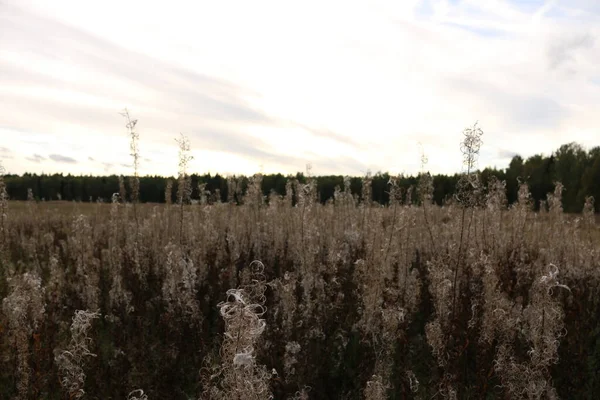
<point>270,86</point>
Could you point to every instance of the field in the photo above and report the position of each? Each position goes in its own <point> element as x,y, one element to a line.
<point>285,297</point>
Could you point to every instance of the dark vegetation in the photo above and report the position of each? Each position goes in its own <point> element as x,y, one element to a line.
<point>577,169</point>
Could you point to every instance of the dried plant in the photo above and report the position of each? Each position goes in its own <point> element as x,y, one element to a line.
<point>3,206</point>
<point>134,138</point>
<point>71,362</point>
<point>425,191</point>
<point>25,309</point>
<point>137,394</point>
<point>179,286</point>
<point>467,193</point>
<point>240,377</point>
<point>184,185</point>
<point>375,389</point>
<point>169,192</point>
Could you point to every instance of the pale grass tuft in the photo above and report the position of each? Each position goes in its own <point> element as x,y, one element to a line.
<point>239,376</point>
<point>137,394</point>
<point>25,309</point>
<point>71,361</point>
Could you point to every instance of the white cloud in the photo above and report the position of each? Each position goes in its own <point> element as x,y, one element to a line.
<point>344,85</point>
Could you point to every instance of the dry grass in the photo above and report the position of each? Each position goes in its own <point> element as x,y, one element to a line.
<point>355,291</point>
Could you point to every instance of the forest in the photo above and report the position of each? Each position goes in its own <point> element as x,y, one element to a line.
<point>571,164</point>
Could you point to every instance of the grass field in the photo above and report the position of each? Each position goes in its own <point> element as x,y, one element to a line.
<point>349,299</point>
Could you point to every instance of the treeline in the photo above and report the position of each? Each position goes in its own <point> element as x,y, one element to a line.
<point>576,168</point>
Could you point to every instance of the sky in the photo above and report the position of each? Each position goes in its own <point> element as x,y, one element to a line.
<point>271,86</point>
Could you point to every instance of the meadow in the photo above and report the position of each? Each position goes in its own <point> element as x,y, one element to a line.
<point>285,297</point>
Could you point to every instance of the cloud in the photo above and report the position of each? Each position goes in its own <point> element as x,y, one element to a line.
<point>6,153</point>
<point>345,100</point>
<point>516,111</point>
<point>563,49</point>
<point>486,32</point>
<point>36,158</point>
<point>328,134</point>
<point>333,166</point>
<point>174,89</point>
<point>182,99</point>
<point>508,154</point>
<point>62,159</point>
